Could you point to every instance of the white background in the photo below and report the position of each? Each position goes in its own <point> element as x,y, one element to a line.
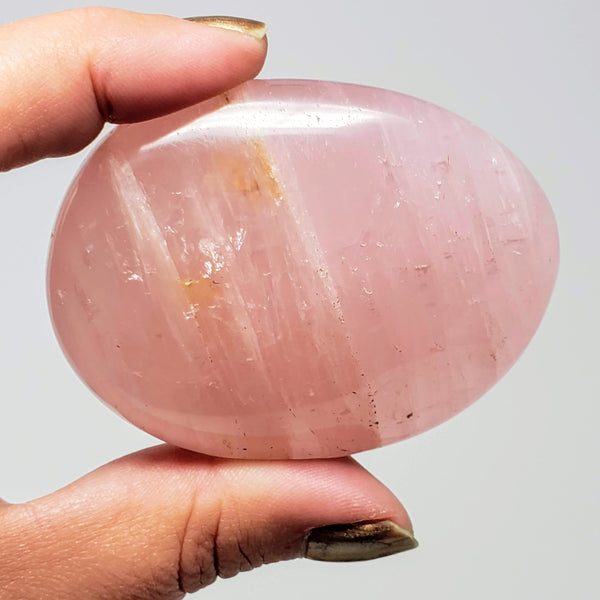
<point>505,498</point>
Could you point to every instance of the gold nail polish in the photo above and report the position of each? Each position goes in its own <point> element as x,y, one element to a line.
<point>358,541</point>
<point>256,29</point>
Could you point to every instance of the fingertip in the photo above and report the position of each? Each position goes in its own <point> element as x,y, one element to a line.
<point>313,493</point>
<point>168,64</point>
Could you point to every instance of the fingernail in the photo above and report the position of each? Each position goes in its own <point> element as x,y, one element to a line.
<point>358,541</point>
<point>256,29</point>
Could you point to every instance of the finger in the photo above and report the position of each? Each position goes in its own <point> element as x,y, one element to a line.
<point>163,522</point>
<point>63,75</point>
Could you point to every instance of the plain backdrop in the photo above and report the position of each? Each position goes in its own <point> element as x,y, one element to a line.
<point>505,497</point>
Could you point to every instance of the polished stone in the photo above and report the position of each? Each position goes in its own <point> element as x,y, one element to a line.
<point>299,269</point>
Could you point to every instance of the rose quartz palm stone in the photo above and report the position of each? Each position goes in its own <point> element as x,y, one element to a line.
<point>299,269</point>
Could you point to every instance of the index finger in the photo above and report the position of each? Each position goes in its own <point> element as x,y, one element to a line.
<point>64,75</point>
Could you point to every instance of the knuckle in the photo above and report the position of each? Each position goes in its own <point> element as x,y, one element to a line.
<point>216,542</point>
<point>236,553</point>
<point>198,563</point>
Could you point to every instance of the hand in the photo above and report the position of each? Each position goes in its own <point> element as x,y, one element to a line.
<point>161,522</point>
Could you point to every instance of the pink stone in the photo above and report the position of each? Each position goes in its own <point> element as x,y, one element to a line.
<point>299,269</point>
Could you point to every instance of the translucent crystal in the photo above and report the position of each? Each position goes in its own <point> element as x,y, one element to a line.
<point>299,269</point>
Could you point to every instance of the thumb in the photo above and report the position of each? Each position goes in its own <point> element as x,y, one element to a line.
<point>164,522</point>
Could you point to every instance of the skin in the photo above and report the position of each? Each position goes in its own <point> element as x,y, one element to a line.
<point>162,522</point>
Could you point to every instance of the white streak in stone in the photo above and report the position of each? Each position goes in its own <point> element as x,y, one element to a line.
<point>220,251</point>
<point>150,246</point>
<point>238,241</point>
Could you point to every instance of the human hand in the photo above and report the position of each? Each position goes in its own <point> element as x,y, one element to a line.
<point>161,522</point>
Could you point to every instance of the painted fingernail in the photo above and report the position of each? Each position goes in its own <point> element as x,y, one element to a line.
<point>256,29</point>
<point>358,541</point>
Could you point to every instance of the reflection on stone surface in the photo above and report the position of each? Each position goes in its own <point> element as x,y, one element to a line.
<point>299,269</point>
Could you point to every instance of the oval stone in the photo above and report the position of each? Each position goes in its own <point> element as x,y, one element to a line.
<point>299,269</point>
